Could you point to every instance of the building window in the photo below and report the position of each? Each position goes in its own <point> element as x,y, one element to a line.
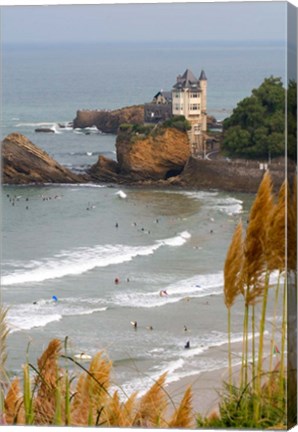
<point>178,107</point>
<point>176,95</point>
<point>194,95</point>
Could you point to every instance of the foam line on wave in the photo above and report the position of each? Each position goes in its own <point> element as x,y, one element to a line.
<point>84,259</point>
<point>45,311</point>
<point>195,287</point>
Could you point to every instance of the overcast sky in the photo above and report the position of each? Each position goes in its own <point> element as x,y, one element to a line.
<point>144,22</point>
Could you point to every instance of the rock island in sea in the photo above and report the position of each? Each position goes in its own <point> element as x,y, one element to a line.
<point>168,142</point>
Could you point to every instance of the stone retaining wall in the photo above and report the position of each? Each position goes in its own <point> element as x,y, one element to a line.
<point>242,176</point>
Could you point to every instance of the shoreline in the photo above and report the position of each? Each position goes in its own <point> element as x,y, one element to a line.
<point>206,387</point>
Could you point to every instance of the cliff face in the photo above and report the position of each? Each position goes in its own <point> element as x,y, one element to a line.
<point>109,121</point>
<point>23,163</point>
<point>153,157</point>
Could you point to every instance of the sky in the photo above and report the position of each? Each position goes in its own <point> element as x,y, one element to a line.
<point>144,22</point>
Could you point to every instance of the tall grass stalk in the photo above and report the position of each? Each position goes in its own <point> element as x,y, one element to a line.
<point>27,395</point>
<point>254,263</point>
<point>229,347</point>
<point>274,325</point>
<point>67,386</point>
<point>253,344</point>
<point>58,420</point>
<point>262,331</point>
<point>283,337</point>
<point>4,331</point>
<point>232,282</point>
<point>261,347</point>
<point>244,365</point>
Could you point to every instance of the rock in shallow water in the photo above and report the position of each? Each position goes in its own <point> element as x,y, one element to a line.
<point>24,163</point>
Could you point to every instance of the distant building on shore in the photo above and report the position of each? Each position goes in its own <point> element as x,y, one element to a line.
<point>188,97</point>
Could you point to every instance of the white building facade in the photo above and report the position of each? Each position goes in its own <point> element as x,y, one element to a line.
<point>189,98</point>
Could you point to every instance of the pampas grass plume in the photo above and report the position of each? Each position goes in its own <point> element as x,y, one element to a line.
<point>255,242</point>
<point>232,268</point>
<point>183,415</point>
<point>152,405</point>
<point>13,405</point>
<point>276,232</point>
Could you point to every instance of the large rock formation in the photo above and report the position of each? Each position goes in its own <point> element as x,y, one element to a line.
<point>23,163</point>
<point>109,121</point>
<point>155,156</point>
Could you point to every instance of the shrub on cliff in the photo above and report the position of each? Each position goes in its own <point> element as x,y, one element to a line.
<point>256,128</point>
<point>178,122</point>
<point>125,127</point>
<point>136,129</point>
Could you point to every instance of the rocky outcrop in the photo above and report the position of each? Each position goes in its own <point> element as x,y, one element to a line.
<point>109,121</point>
<point>23,163</point>
<point>155,156</point>
<point>105,170</point>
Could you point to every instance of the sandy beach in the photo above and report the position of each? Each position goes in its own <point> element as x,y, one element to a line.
<point>206,387</point>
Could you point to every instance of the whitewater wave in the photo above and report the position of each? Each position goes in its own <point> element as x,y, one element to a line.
<point>195,287</point>
<point>50,125</point>
<point>182,363</point>
<point>229,205</point>
<point>26,316</point>
<point>83,259</point>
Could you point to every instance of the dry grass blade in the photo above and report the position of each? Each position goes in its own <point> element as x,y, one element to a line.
<point>48,364</point>
<point>152,406</point>
<point>13,405</point>
<point>3,336</point>
<point>91,391</point>
<point>292,228</point>
<point>46,383</point>
<point>99,379</point>
<point>254,264</point>
<point>232,269</point>
<point>276,232</point>
<point>115,413</point>
<point>80,403</point>
<point>183,415</point>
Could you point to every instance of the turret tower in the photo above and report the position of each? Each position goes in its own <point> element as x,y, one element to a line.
<point>203,86</point>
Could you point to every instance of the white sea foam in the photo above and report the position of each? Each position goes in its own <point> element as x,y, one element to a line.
<point>44,311</point>
<point>25,321</point>
<point>83,259</point>
<point>40,124</point>
<point>51,125</point>
<point>228,205</point>
<point>121,194</point>
<point>178,240</point>
<point>195,287</point>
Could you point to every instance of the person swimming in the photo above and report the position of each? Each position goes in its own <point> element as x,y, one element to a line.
<point>187,345</point>
<point>163,293</point>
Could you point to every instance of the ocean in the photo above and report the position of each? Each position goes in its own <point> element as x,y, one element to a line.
<point>64,246</point>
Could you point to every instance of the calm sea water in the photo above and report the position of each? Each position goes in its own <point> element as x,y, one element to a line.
<point>63,241</point>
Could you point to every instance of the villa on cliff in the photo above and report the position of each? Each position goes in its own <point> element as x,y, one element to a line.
<point>188,97</point>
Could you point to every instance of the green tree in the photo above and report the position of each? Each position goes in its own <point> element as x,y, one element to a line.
<point>292,119</point>
<point>256,128</point>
